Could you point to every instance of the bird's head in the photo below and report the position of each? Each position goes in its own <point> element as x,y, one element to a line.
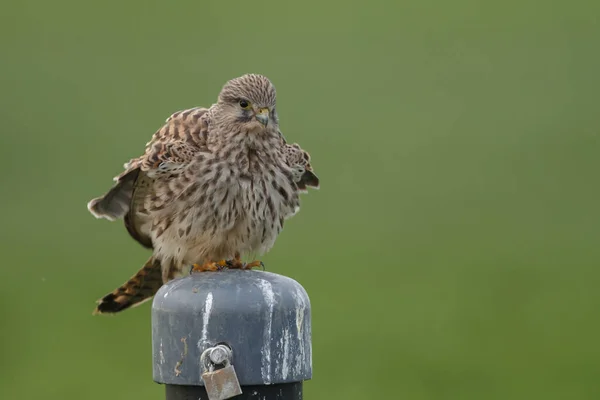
<point>249,101</point>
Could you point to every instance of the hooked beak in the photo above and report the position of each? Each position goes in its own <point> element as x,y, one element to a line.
<point>263,116</point>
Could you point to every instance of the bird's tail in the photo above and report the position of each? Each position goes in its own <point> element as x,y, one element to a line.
<point>138,289</point>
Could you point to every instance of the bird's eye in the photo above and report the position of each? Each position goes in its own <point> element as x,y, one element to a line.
<point>245,104</point>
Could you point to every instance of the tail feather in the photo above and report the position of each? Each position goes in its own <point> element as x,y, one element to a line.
<point>115,203</point>
<point>138,289</point>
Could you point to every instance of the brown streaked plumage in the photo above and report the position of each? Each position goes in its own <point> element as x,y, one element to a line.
<point>212,184</point>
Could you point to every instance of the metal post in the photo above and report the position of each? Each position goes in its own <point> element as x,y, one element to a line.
<point>262,318</point>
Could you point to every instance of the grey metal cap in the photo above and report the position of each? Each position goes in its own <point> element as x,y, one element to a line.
<point>263,317</point>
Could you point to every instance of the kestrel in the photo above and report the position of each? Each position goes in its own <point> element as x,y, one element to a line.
<point>213,184</point>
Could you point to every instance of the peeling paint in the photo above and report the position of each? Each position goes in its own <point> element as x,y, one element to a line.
<point>285,363</point>
<point>267,291</point>
<point>161,353</point>
<point>206,319</point>
<point>300,309</point>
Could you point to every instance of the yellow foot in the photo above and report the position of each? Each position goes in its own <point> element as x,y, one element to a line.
<point>254,264</point>
<point>238,264</point>
<point>209,266</point>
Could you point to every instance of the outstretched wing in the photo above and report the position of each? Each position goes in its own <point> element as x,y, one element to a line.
<point>151,181</point>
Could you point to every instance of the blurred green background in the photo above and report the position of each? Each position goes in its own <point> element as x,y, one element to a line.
<point>455,236</point>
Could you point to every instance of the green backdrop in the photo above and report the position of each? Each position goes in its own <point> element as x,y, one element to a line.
<point>452,251</point>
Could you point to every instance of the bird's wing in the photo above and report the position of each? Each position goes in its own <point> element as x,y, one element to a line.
<point>164,169</point>
<point>155,178</point>
<point>299,161</point>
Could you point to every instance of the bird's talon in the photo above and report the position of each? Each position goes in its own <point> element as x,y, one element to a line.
<point>238,264</point>
<point>210,266</point>
<point>254,264</point>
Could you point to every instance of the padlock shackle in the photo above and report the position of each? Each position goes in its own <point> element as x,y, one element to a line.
<point>218,355</point>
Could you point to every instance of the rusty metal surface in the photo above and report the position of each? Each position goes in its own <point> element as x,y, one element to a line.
<point>222,384</point>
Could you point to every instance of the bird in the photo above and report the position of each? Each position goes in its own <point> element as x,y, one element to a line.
<point>212,185</point>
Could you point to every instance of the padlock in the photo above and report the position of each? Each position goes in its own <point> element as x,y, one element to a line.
<point>222,383</point>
